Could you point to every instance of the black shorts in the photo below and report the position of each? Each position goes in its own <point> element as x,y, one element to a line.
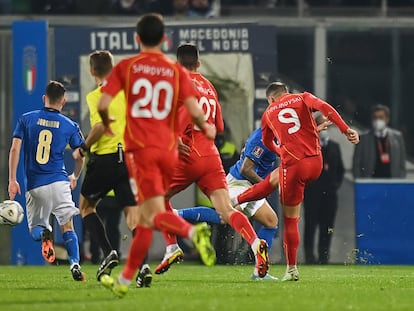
<point>104,173</point>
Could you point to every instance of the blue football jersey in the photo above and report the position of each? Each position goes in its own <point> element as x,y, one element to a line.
<point>45,134</point>
<point>254,149</point>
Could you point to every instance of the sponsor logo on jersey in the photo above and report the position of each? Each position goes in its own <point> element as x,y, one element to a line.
<point>257,151</point>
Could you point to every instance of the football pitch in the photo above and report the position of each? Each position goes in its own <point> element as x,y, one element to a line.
<point>190,286</point>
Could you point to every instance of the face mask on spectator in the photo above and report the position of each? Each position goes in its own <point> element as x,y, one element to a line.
<point>378,124</point>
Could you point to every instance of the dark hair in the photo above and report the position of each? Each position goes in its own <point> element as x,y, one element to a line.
<point>187,55</point>
<point>55,91</point>
<point>276,88</point>
<point>101,62</point>
<point>150,29</point>
<point>380,107</point>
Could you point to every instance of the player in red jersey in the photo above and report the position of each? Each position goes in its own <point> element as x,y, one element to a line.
<point>289,120</point>
<point>155,87</point>
<point>202,164</point>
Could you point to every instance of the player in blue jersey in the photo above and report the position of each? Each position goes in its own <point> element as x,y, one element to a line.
<point>255,163</point>
<point>44,135</point>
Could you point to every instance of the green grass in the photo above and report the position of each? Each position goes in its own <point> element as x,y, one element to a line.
<point>195,287</point>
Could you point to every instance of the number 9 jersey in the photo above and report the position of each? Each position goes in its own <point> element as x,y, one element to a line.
<point>289,118</point>
<point>45,134</point>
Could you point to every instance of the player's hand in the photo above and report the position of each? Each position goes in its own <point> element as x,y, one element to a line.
<point>324,125</point>
<point>352,136</point>
<point>14,188</point>
<point>210,131</point>
<point>183,149</point>
<point>72,181</point>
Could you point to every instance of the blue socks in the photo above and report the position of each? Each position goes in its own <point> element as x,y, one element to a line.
<point>37,233</point>
<point>267,234</point>
<point>199,214</point>
<point>72,246</point>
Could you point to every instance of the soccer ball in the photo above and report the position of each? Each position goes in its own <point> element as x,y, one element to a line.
<point>11,213</point>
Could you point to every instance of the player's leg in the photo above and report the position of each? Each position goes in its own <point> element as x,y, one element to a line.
<point>173,252</point>
<point>70,239</point>
<point>261,212</point>
<point>199,214</point>
<point>64,210</point>
<point>38,211</point>
<point>260,190</point>
<point>293,180</point>
<point>240,223</point>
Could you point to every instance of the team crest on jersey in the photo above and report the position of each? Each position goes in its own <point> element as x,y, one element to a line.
<point>29,68</point>
<point>257,151</point>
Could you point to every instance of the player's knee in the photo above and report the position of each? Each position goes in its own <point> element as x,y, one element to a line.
<point>270,221</point>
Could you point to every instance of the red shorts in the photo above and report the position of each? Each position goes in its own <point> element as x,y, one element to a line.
<point>294,178</point>
<point>207,172</point>
<point>150,171</point>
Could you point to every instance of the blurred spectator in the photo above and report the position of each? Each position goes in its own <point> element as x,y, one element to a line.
<point>180,8</point>
<point>53,6</point>
<point>321,201</point>
<point>94,7</point>
<point>200,8</point>
<point>380,152</point>
<point>130,7</point>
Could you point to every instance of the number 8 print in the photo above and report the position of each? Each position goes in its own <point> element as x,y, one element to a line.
<point>292,118</point>
<point>43,148</point>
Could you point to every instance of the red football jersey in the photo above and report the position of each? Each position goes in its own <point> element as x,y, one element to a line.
<point>153,85</point>
<point>289,119</point>
<point>208,100</point>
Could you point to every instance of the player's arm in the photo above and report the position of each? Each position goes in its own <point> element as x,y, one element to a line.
<point>14,155</point>
<point>103,110</point>
<point>328,111</point>
<point>247,170</point>
<point>268,138</point>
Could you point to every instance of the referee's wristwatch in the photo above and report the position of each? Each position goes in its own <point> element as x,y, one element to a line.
<point>83,149</point>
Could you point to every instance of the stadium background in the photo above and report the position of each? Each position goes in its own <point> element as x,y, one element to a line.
<point>353,62</point>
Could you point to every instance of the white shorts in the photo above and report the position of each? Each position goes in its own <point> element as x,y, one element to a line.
<point>56,199</point>
<point>236,187</point>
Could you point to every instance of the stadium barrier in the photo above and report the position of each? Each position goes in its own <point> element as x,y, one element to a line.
<point>384,210</point>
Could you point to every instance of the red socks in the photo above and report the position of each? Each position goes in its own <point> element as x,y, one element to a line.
<point>242,225</point>
<point>170,223</point>
<point>291,239</point>
<point>169,238</point>
<point>137,251</point>
<point>257,191</point>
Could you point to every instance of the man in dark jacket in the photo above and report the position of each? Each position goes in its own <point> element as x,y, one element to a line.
<point>321,201</point>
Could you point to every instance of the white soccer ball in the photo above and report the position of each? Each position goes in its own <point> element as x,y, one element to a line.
<point>11,213</point>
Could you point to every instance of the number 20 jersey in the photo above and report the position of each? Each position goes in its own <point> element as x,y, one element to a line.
<point>45,134</point>
<point>154,85</point>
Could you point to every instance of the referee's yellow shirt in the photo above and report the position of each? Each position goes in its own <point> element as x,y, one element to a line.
<point>117,109</point>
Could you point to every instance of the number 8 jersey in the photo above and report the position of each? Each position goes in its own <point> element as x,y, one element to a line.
<point>289,118</point>
<point>45,134</point>
<point>153,85</point>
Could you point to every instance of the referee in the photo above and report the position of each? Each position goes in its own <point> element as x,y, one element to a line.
<point>106,169</point>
